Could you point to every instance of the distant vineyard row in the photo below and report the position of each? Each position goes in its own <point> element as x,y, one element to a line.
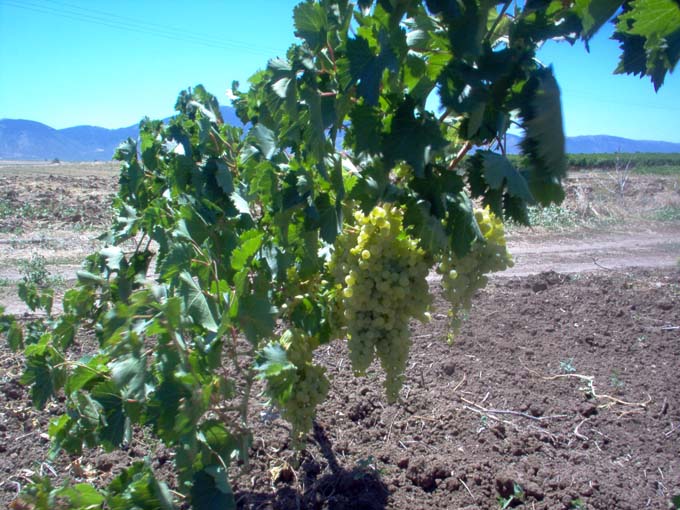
<point>637,160</point>
<point>647,162</point>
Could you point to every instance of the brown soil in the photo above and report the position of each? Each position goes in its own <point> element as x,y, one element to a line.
<point>559,392</point>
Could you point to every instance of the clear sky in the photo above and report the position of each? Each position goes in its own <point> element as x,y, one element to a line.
<point>107,63</point>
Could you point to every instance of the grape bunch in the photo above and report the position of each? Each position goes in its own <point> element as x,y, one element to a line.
<point>309,390</point>
<point>383,284</point>
<point>310,387</point>
<point>463,276</point>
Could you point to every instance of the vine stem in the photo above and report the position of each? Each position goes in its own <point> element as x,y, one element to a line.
<point>498,19</point>
<point>502,145</point>
<point>461,154</point>
<point>445,114</point>
<point>331,52</point>
<point>245,400</point>
<point>81,365</point>
<point>139,243</point>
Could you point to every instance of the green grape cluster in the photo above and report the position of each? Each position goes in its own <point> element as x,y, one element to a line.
<point>310,387</point>
<point>309,390</point>
<point>383,274</point>
<point>463,276</point>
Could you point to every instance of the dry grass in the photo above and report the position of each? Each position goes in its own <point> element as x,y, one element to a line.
<point>596,199</point>
<point>68,169</point>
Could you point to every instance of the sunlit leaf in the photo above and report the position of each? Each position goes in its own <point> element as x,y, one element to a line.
<point>196,302</point>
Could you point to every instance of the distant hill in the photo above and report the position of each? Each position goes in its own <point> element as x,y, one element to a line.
<point>29,140</point>
<point>610,144</point>
<point>598,144</point>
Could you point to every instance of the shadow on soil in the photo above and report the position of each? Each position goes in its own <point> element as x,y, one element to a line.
<point>357,489</point>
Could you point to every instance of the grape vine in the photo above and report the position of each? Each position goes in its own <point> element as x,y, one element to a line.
<point>233,255</point>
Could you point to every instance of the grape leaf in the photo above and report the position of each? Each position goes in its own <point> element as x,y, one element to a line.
<point>363,67</point>
<point>265,139</point>
<point>35,297</point>
<point>129,374</point>
<point>113,256</point>
<point>463,228</point>
<point>224,178</point>
<point>178,257</point>
<point>256,316</point>
<point>494,178</point>
<point>240,203</point>
<point>310,23</point>
<point>196,303</point>
<point>366,128</point>
<point>211,490</point>
<point>500,172</point>
<point>468,27</point>
<point>330,225</point>
<point>273,366</point>
<point>42,371</point>
<point>412,139</point>
<point>65,330</point>
<point>594,14</point>
<point>649,31</point>
<point>136,487</point>
<point>544,143</point>
<point>88,370</point>
<point>425,227</point>
<point>81,495</point>
<point>218,439</point>
<point>15,335</point>
<point>250,242</point>
<point>116,426</point>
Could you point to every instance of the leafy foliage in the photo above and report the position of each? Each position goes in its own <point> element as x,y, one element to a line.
<point>233,233</point>
<point>649,33</point>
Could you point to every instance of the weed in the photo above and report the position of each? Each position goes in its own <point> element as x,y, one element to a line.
<point>367,465</point>
<point>26,210</point>
<point>616,381</point>
<point>34,272</point>
<point>577,504</point>
<point>567,366</point>
<point>668,213</point>
<point>517,496</point>
<point>6,209</point>
<point>657,170</point>
<point>553,217</point>
<point>620,174</point>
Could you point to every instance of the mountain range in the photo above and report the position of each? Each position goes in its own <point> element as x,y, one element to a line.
<point>29,140</point>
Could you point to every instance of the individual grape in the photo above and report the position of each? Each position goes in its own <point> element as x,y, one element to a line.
<point>463,276</point>
<point>383,274</point>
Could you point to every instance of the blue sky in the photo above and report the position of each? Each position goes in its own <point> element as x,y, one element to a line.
<point>106,63</point>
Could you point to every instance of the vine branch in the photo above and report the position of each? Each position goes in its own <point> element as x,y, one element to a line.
<point>461,154</point>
